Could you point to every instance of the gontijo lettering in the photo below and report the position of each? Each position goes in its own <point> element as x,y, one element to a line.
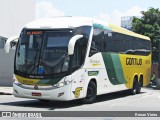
<point>133,61</point>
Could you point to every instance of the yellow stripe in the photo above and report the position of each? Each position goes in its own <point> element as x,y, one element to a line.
<point>127,32</point>
<point>27,80</point>
<point>96,64</point>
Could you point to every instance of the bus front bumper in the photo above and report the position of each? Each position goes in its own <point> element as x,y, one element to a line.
<point>60,94</point>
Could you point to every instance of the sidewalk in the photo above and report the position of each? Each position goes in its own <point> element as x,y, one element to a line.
<point>6,90</point>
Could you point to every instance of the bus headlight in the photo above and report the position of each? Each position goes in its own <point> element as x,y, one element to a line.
<point>67,81</point>
<point>59,84</point>
<point>16,82</point>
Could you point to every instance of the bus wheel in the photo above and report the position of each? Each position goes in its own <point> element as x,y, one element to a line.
<point>135,88</point>
<point>140,84</point>
<point>91,93</point>
<point>138,89</point>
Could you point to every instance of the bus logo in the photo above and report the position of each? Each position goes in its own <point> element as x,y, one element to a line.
<point>77,92</point>
<point>133,61</point>
<point>36,87</point>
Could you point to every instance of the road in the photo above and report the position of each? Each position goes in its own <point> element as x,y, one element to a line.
<point>147,100</point>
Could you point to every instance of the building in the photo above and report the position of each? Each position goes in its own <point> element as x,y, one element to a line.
<point>126,22</point>
<point>2,41</point>
<point>14,14</point>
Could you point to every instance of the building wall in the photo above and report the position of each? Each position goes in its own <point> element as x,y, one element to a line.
<point>1,43</point>
<point>6,67</point>
<point>126,22</point>
<point>14,14</point>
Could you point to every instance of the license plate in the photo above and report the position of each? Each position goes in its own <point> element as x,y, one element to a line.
<point>36,94</point>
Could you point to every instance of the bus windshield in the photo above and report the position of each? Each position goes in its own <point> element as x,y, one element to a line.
<point>43,52</point>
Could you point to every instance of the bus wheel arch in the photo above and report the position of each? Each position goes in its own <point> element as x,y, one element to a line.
<point>91,92</point>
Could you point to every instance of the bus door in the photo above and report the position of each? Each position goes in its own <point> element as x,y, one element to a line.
<point>78,75</point>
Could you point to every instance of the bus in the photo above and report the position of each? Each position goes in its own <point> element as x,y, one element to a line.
<point>68,58</point>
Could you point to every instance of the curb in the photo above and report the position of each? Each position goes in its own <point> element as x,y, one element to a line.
<point>6,90</point>
<point>3,93</point>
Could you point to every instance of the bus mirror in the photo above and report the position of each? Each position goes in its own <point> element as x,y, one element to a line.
<point>72,42</point>
<point>6,48</point>
<point>7,45</point>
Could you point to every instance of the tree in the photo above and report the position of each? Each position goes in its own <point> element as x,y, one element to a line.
<point>149,25</point>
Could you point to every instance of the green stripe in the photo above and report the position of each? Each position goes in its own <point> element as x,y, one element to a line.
<point>100,26</point>
<point>114,68</point>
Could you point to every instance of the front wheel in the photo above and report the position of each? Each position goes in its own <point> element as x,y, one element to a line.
<point>91,93</point>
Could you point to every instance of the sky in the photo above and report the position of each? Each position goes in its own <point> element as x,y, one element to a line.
<point>110,11</point>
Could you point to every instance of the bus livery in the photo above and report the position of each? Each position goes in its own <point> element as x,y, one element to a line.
<point>67,58</point>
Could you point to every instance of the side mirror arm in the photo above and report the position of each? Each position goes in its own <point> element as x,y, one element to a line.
<point>72,43</point>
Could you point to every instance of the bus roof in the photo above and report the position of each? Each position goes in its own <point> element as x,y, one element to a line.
<point>64,22</point>
<point>60,22</point>
<point>127,32</point>
<point>71,22</point>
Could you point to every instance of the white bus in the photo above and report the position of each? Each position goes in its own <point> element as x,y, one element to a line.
<point>67,58</point>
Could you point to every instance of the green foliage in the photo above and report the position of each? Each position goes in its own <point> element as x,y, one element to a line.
<point>149,25</point>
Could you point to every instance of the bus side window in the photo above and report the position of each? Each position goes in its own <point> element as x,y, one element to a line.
<point>79,52</point>
<point>93,49</point>
<point>97,44</point>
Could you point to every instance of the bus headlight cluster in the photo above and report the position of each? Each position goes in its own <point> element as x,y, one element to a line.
<point>66,82</point>
<point>16,82</point>
<point>61,84</point>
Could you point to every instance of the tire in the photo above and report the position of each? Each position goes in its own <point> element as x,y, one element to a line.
<point>44,100</point>
<point>138,89</point>
<point>91,93</point>
<point>135,88</point>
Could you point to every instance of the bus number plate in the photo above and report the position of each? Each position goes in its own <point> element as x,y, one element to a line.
<point>36,94</point>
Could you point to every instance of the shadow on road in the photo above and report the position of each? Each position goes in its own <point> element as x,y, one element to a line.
<point>52,105</point>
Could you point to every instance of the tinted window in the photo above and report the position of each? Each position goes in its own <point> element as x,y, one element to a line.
<point>57,41</point>
<point>105,41</point>
<point>79,52</point>
<point>99,39</point>
<point>80,46</point>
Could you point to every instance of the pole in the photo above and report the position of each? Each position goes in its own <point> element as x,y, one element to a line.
<point>159,59</point>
